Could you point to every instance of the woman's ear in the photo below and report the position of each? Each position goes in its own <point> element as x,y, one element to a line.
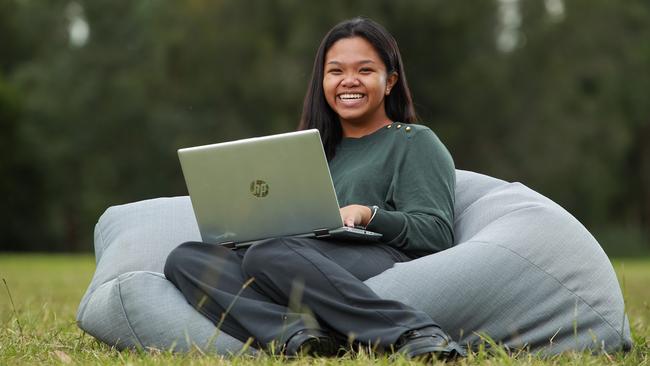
<point>391,80</point>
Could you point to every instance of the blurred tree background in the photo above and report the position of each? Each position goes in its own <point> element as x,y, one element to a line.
<point>97,96</point>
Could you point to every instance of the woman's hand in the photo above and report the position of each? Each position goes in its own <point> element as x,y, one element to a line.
<point>354,215</point>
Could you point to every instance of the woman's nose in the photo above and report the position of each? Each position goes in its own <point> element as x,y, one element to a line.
<point>350,80</point>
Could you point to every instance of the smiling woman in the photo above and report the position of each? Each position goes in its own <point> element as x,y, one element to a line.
<point>359,101</point>
<point>355,84</point>
<point>356,57</point>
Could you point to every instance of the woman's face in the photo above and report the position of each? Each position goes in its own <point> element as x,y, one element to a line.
<point>355,82</point>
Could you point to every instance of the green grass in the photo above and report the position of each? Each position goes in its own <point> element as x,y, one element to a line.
<point>46,290</point>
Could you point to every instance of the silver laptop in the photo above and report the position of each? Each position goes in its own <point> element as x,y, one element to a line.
<point>265,187</point>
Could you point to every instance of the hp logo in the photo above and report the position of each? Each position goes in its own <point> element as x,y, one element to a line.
<point>259,188</point>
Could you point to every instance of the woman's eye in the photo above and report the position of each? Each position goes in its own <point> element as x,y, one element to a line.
<point>334,71</point>
<point>365,71</point>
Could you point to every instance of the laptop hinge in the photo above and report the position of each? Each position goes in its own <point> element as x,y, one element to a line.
<point>322,233</point>
<point>228,244</point>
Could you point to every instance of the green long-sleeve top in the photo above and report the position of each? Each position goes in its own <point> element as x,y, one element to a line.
<point>407,172</point>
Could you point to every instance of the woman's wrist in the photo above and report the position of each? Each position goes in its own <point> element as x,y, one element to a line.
<point>373,212</point>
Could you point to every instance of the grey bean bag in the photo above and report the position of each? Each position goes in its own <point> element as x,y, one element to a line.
<point>523,272</point>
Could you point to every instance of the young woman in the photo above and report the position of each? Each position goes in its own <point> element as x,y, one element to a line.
<point>391,176</point>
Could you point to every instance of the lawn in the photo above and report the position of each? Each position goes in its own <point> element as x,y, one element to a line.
<point>39,328</point>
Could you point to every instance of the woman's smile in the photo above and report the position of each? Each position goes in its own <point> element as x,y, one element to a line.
<point>351,99</point>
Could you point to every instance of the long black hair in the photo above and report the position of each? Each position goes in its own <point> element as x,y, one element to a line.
<point>316,113</point>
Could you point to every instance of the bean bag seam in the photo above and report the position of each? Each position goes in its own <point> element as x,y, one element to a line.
<point>532,205</point>
<point>102,284</point>
<point>126,317</point>
<point>88,297</point>
<point>459,217</point>
<point>557,280</point>
<point>103,242</point>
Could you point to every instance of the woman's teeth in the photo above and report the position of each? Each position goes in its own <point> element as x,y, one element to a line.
<point>351,96</point>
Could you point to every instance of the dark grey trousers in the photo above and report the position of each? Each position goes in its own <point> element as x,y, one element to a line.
<point>278,287</point>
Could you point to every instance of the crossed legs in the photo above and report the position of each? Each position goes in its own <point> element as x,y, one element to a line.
<point>279,287</point>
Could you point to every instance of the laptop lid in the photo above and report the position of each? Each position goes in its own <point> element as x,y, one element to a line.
<point>263,187</point>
